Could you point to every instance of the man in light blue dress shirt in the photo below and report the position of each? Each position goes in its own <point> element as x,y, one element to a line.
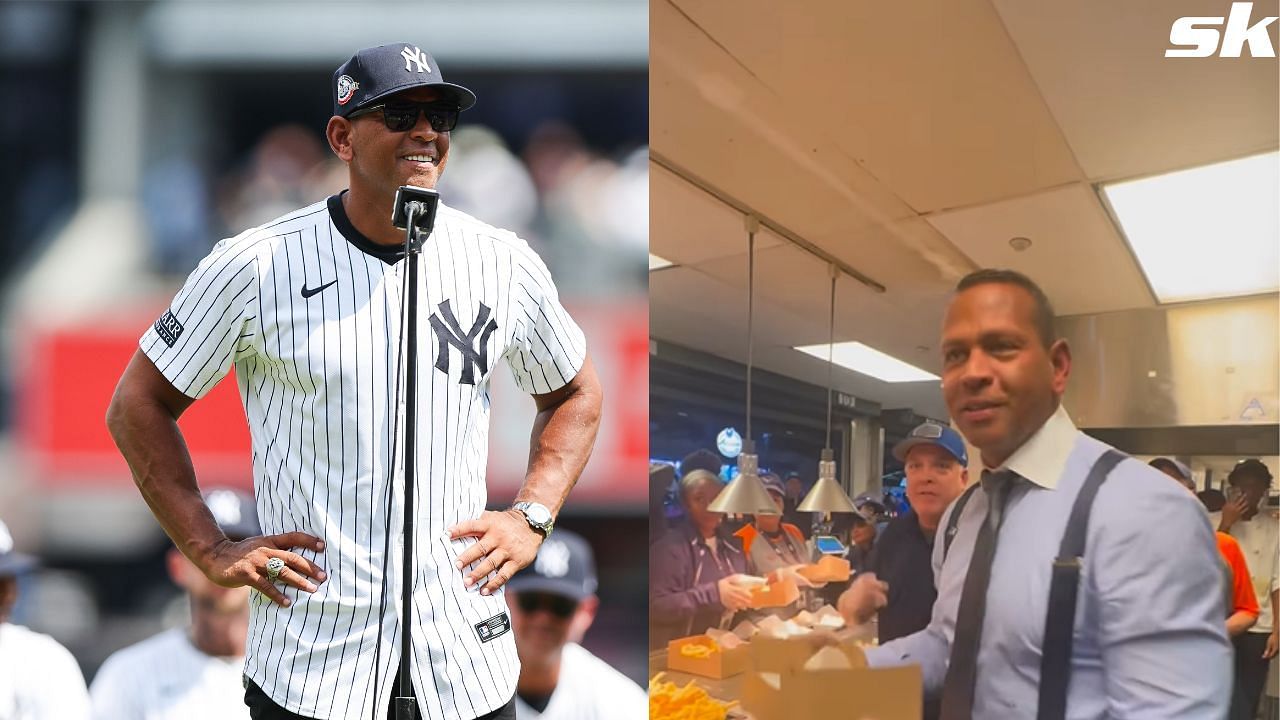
<point>1149,637</point>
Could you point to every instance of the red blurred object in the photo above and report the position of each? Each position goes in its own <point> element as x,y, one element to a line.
<point>62,405</point>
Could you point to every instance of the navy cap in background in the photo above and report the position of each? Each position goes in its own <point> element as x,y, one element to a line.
<point>565,566</point>
<point>234,511</point>
<point>12,562</point>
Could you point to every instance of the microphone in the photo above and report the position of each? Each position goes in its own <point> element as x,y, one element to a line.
<point>421,203</point>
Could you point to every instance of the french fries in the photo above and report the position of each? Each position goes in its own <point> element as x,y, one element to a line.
<point>669,702</point>
<point>698,650</point>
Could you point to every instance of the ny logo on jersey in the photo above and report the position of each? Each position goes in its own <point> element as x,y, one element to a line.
<point>416,57</point>
<point>449,333</point>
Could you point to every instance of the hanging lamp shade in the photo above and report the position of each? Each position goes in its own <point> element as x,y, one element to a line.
<point>827,496</point>
<point>745,494</point>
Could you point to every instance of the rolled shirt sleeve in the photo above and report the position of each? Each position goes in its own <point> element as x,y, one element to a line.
<point>1161,632</point>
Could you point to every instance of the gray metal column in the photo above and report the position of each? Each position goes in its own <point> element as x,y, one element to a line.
<point>866,459</point>
<point>99,255</point>
<point>114,101</point>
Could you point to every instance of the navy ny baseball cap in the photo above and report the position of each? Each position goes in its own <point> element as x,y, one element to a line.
<point>234,511</point>
<point>374,73</point>
<point>933,434</point>
<point>565,566</point>
<point>12,562</point>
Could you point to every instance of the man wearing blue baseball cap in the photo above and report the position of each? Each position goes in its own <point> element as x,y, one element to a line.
<point>935,462</point>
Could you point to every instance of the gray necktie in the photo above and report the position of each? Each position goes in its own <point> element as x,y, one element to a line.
<point>962,671</point>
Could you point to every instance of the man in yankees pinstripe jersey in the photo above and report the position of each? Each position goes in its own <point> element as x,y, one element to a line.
<point>307,309</point>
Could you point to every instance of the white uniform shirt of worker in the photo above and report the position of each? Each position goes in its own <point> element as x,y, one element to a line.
<point>1258,540</point>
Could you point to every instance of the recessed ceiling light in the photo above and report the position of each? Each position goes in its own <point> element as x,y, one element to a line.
<point>657,263</point>
<point>868,361</point>
<point>1208,232</point>
<point>1019,243</point>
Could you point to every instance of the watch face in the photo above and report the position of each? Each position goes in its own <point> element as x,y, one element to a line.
<point>538,513</point>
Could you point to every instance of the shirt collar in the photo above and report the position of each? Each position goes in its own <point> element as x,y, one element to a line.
<point>695,538</point>
<point>1043,457</point>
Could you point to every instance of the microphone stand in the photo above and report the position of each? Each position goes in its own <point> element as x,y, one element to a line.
<point>415,211</point>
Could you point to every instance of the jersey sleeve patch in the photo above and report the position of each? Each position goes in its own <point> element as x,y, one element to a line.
<point>168,328</point>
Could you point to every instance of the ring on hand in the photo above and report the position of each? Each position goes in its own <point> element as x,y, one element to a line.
<point>274,567</point>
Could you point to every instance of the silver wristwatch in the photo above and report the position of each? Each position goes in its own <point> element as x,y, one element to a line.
<point>537,515</point>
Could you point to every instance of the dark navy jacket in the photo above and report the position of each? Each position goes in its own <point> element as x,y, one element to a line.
<point>683,597</point>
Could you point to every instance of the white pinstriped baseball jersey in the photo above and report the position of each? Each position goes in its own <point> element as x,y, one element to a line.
<point>165,677</point>
<point>589,689</point>
<point>39,679</point>
<point>308,311</point>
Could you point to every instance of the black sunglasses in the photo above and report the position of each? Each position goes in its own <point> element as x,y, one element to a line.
<point>558,605</point>
<point>401,116</point>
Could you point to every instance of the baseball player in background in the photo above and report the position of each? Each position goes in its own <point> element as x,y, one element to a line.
<point>307,309</point>
<point>553,603</point>
<point>191,673</point>
<point>39,679</point>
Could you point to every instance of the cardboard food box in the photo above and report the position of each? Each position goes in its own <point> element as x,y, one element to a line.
<point>826,618</point>
<point>831,681</point>
<point>784,647</point>
<point>730,655</point>
<point>827,569</point>
<point>778,594</point>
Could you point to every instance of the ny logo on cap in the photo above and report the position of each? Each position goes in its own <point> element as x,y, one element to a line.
<point>553,559</point>
<point>417,57</point>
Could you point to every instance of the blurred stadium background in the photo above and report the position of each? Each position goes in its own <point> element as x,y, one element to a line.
<point>140,133</point>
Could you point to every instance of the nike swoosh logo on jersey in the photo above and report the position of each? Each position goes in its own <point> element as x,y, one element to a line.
<point>308,292</point>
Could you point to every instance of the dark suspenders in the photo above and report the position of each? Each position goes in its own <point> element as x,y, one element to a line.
<point>1060,620</point>
<point>1059,624</point>
<point>953,522</point>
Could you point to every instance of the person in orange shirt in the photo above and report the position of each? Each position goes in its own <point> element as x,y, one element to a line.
<point>771,543</point>
<point>1242,603</point>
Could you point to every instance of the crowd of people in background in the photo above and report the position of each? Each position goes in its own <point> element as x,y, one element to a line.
<point>195,669</point>
<point>698,557</point>
<point>701,562</point>
<point>564,197</point>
